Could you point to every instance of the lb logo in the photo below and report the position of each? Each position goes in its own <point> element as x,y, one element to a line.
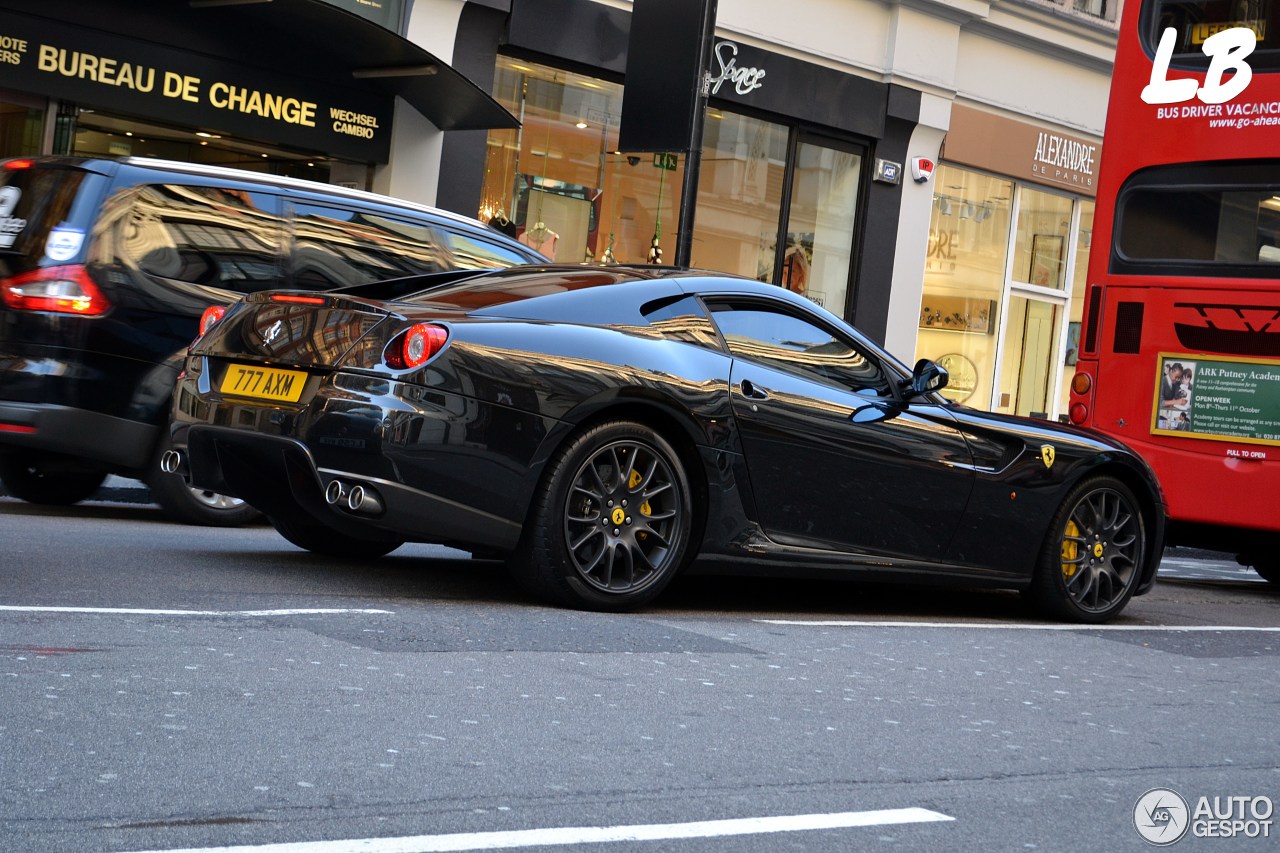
<point>1046,455</point>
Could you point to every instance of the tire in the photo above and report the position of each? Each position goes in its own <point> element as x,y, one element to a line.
<point>1268,568</point>
<point>188,505</point>
<point>611,522</point>
<point>48,480</point>
<point>311,535</point>
<point>1093,555</point>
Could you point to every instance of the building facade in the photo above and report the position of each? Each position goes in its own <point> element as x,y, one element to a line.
<point>510,110</point>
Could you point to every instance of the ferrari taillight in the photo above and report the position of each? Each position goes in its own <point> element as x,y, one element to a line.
<point>61,290</point>
<point>416,346</point>
<point>211,315</point>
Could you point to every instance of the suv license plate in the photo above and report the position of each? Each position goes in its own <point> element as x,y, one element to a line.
<point>264,383</point>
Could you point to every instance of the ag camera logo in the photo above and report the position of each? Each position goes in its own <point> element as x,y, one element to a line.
<point>1160,817</point>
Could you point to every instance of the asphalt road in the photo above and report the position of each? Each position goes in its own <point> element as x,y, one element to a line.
<point>173,688</point>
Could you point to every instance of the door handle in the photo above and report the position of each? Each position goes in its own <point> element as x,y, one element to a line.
<point>752,391</point>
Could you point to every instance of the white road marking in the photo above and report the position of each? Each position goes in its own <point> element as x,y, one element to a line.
<point>589,834</point>
<point>1008,626</point>
<point>129,611</point>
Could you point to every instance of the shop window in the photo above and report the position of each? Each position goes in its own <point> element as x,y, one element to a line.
<point>740,187</point>
<point>820,224</point>
<point>560,185</point>
<point>1040,246</point>
<point>21,129</point>
<point>964,280</point>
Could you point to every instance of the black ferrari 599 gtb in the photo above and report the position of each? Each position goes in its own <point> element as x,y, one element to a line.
<point>604,427</point>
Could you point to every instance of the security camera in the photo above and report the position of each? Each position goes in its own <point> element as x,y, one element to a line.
<point>633,160</point>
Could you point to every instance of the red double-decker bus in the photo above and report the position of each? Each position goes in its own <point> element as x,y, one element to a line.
<point>1180,346</point>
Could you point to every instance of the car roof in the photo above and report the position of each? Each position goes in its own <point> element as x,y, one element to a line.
<point>267,181</point>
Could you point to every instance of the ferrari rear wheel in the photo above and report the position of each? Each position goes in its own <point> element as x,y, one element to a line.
<point>311,535</point>
<point>1094,553</point>
<point>611,525</point>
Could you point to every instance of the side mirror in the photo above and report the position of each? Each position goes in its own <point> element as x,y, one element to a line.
<point>928,376</point>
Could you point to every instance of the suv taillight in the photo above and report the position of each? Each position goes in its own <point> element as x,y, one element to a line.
<point>63,290</point>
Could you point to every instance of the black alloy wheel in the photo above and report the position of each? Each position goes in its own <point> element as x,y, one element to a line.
<point>1094,554</point>
<point>48,480</point>
<point>611,526</point>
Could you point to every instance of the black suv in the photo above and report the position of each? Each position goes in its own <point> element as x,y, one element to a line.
<point>105,269</point>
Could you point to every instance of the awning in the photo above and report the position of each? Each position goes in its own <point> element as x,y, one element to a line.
<point>305,38</point>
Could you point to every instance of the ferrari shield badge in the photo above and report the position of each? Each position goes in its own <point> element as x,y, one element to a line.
<point>1046,455</point>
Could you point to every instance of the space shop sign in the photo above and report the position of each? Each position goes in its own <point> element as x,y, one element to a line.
<point>145,79</point>
<point>1226,400</point>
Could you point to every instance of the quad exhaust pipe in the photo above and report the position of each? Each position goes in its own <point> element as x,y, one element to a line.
<point>353,497</point>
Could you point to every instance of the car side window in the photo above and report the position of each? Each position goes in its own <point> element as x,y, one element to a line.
<point>799,346</point>
<point>336,247</point>
<point>474,252</point>
<point>219,237</point>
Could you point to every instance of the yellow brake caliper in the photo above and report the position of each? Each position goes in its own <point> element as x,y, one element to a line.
<point>1070,550</point>
<point>633,481</point>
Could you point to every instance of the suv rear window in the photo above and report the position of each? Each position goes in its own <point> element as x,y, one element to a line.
<point>32,203</point>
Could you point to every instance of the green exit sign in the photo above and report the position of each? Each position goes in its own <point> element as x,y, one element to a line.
<point>665,161</point>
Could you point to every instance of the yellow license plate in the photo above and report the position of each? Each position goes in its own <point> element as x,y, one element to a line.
<point>264,383</point>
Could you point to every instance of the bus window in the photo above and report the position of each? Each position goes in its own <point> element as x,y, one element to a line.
<point>1177,215</point>
<point>1197,20</point>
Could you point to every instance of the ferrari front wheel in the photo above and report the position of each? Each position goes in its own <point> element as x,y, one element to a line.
<point>1093,556</point>
<point>611,524</point>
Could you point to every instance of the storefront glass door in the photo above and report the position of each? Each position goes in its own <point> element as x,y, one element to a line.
<point>740,195</point>
<point>1030,347</point>
<point>820,222</point>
